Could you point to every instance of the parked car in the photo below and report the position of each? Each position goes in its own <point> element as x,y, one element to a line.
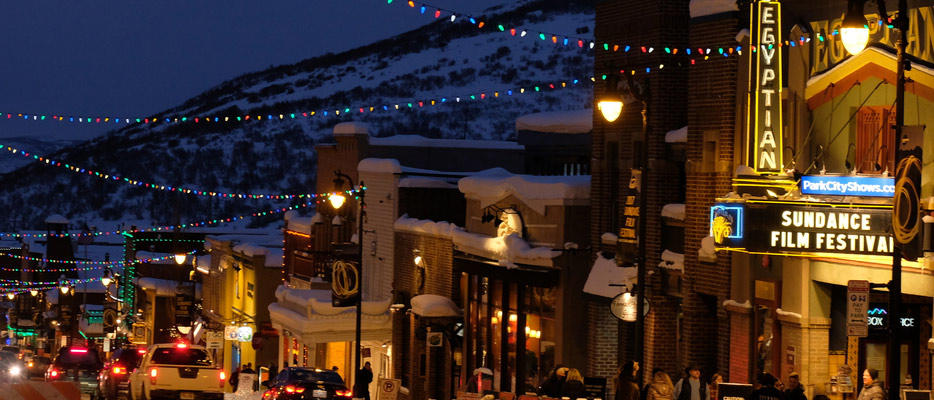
<point>115,376</point>
<point>79,364</point>
<point>299,383</point>
<point>177,371</point>
<point>37,365</point>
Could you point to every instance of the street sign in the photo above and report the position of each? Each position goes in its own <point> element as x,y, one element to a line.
<point>857,296</point>
<point>214,340</point>
<point>388,389</point>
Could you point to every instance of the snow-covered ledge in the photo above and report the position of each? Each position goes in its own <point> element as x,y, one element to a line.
<point>673,261</point>
<point>735,306</point>
<point>679,135</point>
<point>509,250</point>
<point>609,238</point>
<point>788,316</point>
<point>707,251</point>
<point>674,211</point>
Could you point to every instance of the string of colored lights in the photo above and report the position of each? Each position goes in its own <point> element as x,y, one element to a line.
<point>81,262</point>
<point>154,186</point>
<point>172,227</point>
<point>576,42</point>
<point>289,115</point>
<point>29,285</point>
<point>91,268</point>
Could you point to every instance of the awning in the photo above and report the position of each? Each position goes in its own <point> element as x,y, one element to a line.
<point>308,314</point>
<point>605,273</point>
<point>432,305</point>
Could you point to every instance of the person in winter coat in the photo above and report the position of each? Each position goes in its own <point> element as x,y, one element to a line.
<point>573,386</point>
<point>690,387</point>
<point>767,390</point>
<point>627,387</point>
<point>551,386</point>
<point>661,387</point>
<point>361,385</point>
<point>872,387</point>
<point>713,385</point>
<point>795,390</point>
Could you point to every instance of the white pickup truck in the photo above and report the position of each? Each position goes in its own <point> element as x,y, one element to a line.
<point>177,371</point>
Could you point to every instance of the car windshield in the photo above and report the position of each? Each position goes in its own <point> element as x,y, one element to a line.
<point>184,356</point>
<point>78,358</point>
<point>310,375</point>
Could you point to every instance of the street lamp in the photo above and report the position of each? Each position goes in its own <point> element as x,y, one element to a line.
<point>855,32</point>
<point>106,279</point>
<point>337,199</point>
<point>180,258</point>
<point>630,92</point>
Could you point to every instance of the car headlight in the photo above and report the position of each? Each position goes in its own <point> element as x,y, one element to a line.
<point>15,370</point>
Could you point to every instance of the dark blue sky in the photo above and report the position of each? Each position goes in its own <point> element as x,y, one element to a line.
<point>135,57</point>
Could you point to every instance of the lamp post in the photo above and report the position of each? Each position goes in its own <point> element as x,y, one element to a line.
<point>611,105</point>
<point>337,199</point>
<point>855,33</point>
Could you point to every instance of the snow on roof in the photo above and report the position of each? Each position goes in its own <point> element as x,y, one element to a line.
<point>426,182</point>
<point>707,251</point>
<point>296,223</point>
<point>574,121</point>
<point>318,301</point>
<point>432,305</point>
<point>379,165</point>
<point>742,34</point>
<point>609,238</point>
<point>854,59</point>
<point>734,303</point>
<point>421,141</point>
<point>250,250</point>
<point>351,128</point>
<point>700,8</point>
<point>928,219</point>
<point>672,260</point>
<point>163,287</point>
<point>56,219</point>
<point>508,250</point>
<point>604,273</point>
<point>203,261</point>
<point>674,211</point>
<point>494,184</point>
<point>337,220</point>
<point>679,135</point>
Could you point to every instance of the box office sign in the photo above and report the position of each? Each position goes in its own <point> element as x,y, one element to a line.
<point>804,229</point>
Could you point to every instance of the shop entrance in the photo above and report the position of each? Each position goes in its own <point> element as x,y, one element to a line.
<point>873,349</point>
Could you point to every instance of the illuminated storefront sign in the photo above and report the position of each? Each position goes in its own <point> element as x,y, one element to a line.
<point>726,222</point>
<point>848,185</point>
<point>878,318</point>
<point>767,102</point>
<point>804,229</point>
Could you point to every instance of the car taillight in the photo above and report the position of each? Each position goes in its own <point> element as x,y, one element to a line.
<point>118,370</point>
<point>294,389</point>
<point>153,374</point>
<point>344,393</point>
<point>53,374</point>
<point>222,377</point>
<point>29,364</point>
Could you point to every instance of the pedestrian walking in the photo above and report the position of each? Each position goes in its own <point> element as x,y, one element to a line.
<point>627,387</point>
<point>872,387</point>
<point>690,386</point>
<point>573,386</point>
<point>234,378</point>
<point>361,385</point>
<point>767,389</point>
<point>661,387</point>
<point>795,390</point>
<point>551,386</point>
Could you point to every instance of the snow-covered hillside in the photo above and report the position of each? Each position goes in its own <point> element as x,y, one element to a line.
<point>442,59</point>
<point>10,162</point>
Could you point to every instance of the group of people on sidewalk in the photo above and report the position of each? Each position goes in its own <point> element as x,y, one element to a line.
<point>691,386</point>
<point>564,382</point>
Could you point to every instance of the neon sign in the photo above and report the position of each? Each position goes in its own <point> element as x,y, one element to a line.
<point>848,185</point>
<point>767,119</point>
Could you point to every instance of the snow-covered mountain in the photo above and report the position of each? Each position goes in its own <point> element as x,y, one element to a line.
<point>10,162</point>
<point>442,59</point>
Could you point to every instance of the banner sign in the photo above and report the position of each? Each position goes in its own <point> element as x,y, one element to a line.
<point>767,96</point>
<point>907,210</point>
<point>848,185</point>
<point>802,229</point>
<point>627,246</point>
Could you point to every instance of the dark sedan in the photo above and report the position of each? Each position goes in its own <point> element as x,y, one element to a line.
<point>114,377</point>
<point>78,364</point>
<point>297,383</point>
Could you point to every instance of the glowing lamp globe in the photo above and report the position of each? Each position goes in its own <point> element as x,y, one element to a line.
<point>106,280</point>
<point>10,295</point>
<point>337,200</point>
<point>180,258</point>
<point>64,289</point>
<point>33,292</point>
<point>610,109</point>
<point>854,29</point>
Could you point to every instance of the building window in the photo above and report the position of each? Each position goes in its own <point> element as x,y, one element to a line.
<point>875,137</point>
